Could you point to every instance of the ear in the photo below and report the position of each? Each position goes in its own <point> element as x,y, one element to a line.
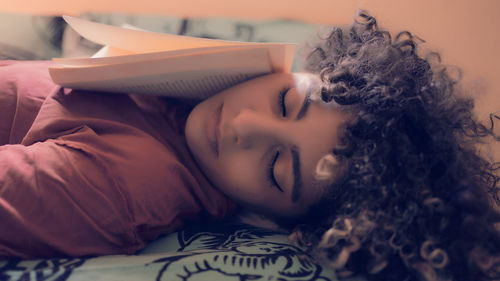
<point>259,220</point>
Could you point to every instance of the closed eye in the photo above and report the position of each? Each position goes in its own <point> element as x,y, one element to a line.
<point>281,100</point>
<point>270,172</point>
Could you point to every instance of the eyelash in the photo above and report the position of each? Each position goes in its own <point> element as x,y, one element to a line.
<point>270,167</point>
<point>270,171</point>
<point>281,100</point>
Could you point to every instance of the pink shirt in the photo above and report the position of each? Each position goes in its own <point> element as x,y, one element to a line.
<point>91,173</point>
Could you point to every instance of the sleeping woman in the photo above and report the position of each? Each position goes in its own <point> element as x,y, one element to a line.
<point>368,158</point>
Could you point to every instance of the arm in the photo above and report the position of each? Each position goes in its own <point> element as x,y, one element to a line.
<point>56,199</point>
<point>91,175</point>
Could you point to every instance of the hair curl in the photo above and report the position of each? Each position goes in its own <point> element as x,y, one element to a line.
<point>417,201</point>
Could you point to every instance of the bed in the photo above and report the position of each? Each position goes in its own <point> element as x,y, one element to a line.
<point>223,251</point>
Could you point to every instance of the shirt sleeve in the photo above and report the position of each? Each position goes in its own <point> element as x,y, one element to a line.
<point>88,179</point>
<point>57,200</point>
<point>24,85</point>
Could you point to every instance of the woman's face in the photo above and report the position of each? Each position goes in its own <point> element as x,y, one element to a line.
<point>259,142</point>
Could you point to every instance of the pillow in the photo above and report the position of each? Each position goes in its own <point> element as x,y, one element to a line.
<point>26,37</point>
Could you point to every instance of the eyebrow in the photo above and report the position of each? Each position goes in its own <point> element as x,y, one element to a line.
<point>297,176</point>
<point>305,105</point>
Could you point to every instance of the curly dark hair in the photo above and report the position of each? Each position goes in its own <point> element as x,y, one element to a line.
<point>417,201</point>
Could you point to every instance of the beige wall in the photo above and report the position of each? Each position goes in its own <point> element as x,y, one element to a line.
<point>464,31</point>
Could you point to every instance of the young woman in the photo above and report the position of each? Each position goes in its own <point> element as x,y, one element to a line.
<point>369,157</point>
<point>95,173</point>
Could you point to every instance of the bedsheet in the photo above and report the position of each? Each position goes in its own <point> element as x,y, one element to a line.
<point>219,252</point>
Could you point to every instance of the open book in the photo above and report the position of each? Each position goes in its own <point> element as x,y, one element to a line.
<point>143,62</point>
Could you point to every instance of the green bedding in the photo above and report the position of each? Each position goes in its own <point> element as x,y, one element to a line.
<point>207,252</point>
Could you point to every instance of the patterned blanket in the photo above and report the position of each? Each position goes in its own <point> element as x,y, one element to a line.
<point>208,252</point>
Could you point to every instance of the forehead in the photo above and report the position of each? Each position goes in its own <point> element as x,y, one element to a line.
<point>296,79</point>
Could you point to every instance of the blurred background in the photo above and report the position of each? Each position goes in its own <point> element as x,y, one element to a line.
<point>465,32</point>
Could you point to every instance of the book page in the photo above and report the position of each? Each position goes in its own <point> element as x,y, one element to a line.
<point>106,51</point>
<point>139,41</point>
<point>119,56</point>
<point>189,85</point>
<point>211,61</point>
<point>208,73</point>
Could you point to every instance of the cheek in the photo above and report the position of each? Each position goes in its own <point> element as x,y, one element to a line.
<point>239,178</point>
<point>194,127</point>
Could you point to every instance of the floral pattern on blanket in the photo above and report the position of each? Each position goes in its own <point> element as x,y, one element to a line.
<point>217,252</point>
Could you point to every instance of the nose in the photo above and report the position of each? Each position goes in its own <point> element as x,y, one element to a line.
<point>251,128</point>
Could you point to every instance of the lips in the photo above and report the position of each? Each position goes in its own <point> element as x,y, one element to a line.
<point>213,129</point>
